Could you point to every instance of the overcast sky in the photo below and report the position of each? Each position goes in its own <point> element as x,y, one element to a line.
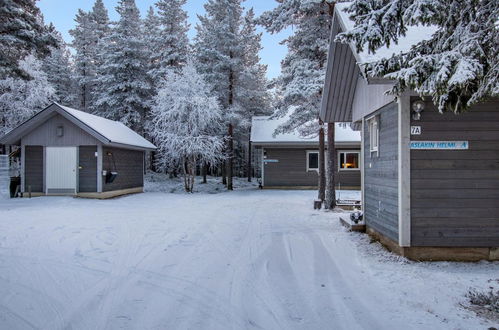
<point>62,13</point>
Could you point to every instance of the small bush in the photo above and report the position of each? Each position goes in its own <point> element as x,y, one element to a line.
<point>486,300</point>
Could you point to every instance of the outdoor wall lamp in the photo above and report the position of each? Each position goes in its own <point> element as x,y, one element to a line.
<point>417,108</point>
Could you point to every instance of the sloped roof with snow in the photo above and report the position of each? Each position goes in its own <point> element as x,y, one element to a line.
<point>414,35</point>
<point>107,131</point>
<point>263,128</point>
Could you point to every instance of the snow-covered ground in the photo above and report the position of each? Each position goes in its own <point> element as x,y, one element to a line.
<point>248,259</point>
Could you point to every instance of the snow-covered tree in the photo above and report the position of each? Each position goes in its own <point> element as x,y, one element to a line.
<point>304,67</point>
<point>221,43</point>
<point>173,39</point>
<point>152,40</point>
<point>60,73</point>
<point>124,89</point>
<point>19,98</point>
<point>183,118</point>
<point>22,32</point>
<point>89,34</point>
<point>458,66</point>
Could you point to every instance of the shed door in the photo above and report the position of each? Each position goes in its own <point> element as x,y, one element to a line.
<point>61,170</point>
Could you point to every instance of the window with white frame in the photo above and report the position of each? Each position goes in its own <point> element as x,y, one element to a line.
<point>312,160</point>
<point>373,134</point>
<point>348,160</point>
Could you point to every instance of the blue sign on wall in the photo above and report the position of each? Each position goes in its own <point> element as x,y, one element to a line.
<point>271,160</point>
<point>440,145</point>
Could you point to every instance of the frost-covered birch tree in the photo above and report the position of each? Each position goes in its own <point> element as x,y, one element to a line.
<point>124,88</point>
<point>20,98</point>
<point>183,118</point>
<point>458,66</point>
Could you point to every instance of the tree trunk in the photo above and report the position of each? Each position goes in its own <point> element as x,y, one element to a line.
<point>331,168</point>
<point>230,157</point>
<point>248,167</point>
<point>204,171</point>
<point>224,172</point>
<point>322,165</point>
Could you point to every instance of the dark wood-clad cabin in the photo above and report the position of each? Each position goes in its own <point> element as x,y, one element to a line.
<point>430,181</point>
<point>69,152</point>
<point>289,161</point>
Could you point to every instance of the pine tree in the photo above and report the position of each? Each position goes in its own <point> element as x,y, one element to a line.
<point>301,82</point>
<point>88,41</point>
<point>458,66</point>
<point>174,42</point>
<point>59,71</point>
<point>22,32</point>
<point>183,118</point>
<point>124,88</point>
<point>151,33</point>
<point>20,98</point>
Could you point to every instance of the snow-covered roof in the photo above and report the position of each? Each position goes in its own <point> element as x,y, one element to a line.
<point>114,131</point>
<point>413,35</point>
<point>263,128</point>
<point>108,132</point>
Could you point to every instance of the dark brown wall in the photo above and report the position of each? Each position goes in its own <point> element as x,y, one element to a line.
<point>87,173</point>
<point>381,175</point>
<point>455,193</point>
<point>291,170</point>
<point>129,165</point>
<point>33,168</point>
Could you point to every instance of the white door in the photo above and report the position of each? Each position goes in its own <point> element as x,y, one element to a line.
<point>60,167</point>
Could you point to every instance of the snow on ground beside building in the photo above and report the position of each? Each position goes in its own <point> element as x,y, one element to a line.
<point>248,259</point>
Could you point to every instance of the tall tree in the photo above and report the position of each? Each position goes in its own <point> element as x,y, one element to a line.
<point>152,39</point>
<point>22,32</point>
<point>301,82</point>
<point>174,42</point>
<point>124,88</point>
<point>219,54</point>
<point>59,71</point>
<point>182,120</point>
<point>88,41</point>
<point>458,65</point>
<point>19,98</point>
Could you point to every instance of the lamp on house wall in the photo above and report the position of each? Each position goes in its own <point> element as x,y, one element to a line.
<point>417,107</point>
<point>60,131</point>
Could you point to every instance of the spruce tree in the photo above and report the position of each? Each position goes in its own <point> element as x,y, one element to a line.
<point>152,40</point>
<point>458,65</point>
<point>124,88</point>
<point>22,32</point>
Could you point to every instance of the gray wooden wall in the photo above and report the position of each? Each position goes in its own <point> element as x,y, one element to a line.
<point>33,168</point>
<point>45,134</point>
<point>381,175</point>
<point>87,173</point>
<point>455,193</point>
<point>291,170</point>
<point>129,165</point>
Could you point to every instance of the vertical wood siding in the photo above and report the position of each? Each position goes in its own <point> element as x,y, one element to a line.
<point>455,193</point>
<point>45,134</point>
<point>380,175</point>
<point>129,165</point>
<point>87,173</point>
<point>291,170</point>
<point>33,168</point>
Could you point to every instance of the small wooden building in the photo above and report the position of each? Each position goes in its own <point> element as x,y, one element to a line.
<point>292,162</point>
<point>430,181</point>
<point>69,152</point>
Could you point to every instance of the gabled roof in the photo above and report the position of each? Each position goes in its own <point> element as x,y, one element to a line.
<point>263,128</point>
<point>343,65</point>
<point>109,132</point>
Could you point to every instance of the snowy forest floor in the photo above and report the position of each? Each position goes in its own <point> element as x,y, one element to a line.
<point>248,259</point>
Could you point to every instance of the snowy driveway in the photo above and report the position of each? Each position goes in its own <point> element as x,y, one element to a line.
<point>241,260</point>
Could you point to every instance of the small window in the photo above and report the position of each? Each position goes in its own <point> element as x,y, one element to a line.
<point>312,160</point>
<point>373,135</point>
<point>348,160</point>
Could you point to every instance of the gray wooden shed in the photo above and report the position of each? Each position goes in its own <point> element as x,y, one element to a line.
<point>430,181</point>
<point>69,152</point>
<point>290,161</point>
